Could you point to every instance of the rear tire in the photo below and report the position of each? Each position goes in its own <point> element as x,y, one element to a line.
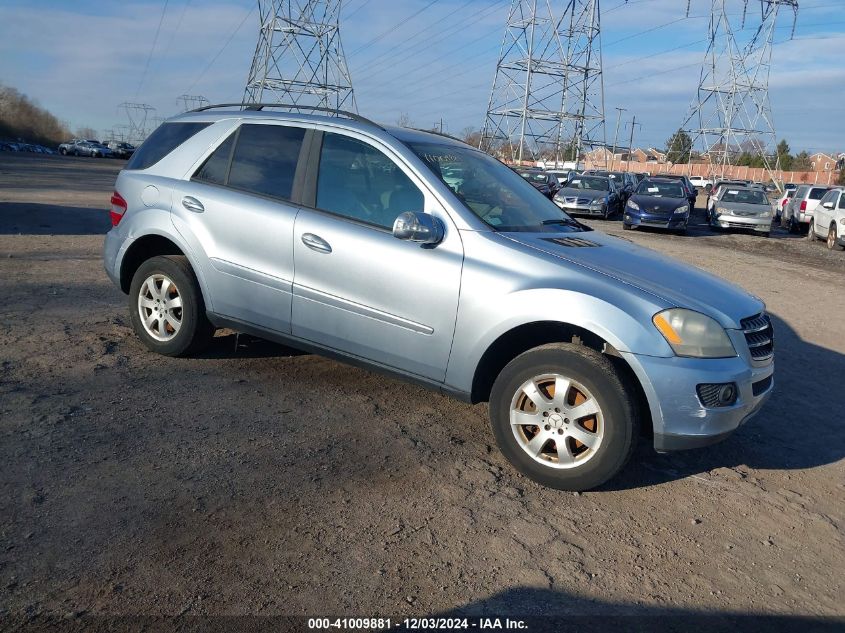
<point>167,309</point>
<point>595,407</point>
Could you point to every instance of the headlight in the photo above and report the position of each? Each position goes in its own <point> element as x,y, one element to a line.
<point>723,211</point>
<point>766,214</point>
<point>633,205</point>
<point>682,209</point>
<point>842,221</point>
<point>693,334</point>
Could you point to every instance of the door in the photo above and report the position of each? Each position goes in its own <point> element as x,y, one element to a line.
<point>357,288</point>
<point>237,209</point>
<point>820,219</point>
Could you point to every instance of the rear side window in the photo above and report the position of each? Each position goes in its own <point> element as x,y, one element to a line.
<point>165,138</point>
<point>265,159</point>
<point>842,202</point>
<point>215,169</point>
<point>817,194</point>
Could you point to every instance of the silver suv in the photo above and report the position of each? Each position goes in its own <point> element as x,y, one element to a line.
<point>342,237</point>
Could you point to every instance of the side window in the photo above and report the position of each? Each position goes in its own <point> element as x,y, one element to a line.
<point>359,182</point>
<point>215,169</point>
<point>265,159</point>
<point>842,201</point>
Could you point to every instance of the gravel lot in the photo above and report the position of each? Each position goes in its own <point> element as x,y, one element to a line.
<point>256,480</point>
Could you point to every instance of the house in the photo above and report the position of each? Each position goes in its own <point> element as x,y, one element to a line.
<point>821,162</point>
<point>599,155</point>
<point>655,156</point>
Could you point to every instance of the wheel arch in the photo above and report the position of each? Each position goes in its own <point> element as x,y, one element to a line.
<point>142,249</point>
<point>527,336</point>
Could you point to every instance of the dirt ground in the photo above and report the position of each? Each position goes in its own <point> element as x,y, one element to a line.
<point>255,480</point>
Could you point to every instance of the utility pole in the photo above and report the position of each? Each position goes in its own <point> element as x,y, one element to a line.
<point>732,112</point>
<point>299,58</point>
<point>631,143</point>
<point>548,87</point>
<point>619,112</point>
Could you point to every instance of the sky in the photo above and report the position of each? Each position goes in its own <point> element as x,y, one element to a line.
<point>425,59</point>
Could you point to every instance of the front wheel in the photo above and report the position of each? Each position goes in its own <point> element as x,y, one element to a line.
<point>811,232</point>
<point>562,417</point>
<point>167,309</point>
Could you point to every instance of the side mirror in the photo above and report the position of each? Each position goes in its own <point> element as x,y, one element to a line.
<point>422,228</point>
<point>828,205</point>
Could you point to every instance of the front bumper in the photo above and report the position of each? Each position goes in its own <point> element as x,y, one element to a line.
<point>638,218</point>
<point>755,223</point>
<point>679,418</point>
<point>581,209</point>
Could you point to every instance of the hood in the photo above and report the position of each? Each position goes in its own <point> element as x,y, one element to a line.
<point>586,194</point>
<point>658,204</point>
<point>743,208</point>
<point>678,284</point>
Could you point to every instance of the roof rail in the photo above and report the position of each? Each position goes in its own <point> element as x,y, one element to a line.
<point>257,107</point>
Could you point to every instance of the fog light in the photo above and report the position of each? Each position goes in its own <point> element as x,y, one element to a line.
<point>717,395</point>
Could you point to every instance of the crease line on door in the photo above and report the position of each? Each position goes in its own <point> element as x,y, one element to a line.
<point>277,283</point>
<point>356,308</point>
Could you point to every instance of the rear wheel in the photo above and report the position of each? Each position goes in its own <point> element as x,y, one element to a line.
<point>832,242</point>
<point>167,309</point>
<point>562,417</point>
<point>811,232</point>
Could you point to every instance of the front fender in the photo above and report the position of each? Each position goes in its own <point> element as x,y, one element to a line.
<point>600,317</point>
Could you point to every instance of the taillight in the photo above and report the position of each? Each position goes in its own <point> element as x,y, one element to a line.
<point>118,208</point>
<point>783,204</point>
<point>803,205</point>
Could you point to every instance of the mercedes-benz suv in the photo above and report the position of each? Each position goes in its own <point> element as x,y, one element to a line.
<point>342,237</point>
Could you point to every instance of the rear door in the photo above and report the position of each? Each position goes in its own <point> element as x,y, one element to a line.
<point>821,215</point>
<point>238,206</point>
<point>357,288</point>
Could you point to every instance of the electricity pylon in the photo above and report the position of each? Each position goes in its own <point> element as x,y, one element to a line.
<point>732,113</point>
<point>548,95</point>
<point>139,117</point>
<point>299,57</point>
<point>191,102</point>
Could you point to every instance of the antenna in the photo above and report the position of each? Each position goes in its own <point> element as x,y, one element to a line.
<point>299,58</point>
<point>547,97</point>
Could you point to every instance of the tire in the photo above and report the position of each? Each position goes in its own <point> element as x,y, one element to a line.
<point>832,243</point>
<point>766,234</point>
<point>561,461</point>
<point>811,232</point>
<point>63,152</point>
<point>626,226</point>
<point>794,227</point>
<point>179,331</point>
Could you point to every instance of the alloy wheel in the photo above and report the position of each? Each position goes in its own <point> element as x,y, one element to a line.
<point>160,307</point>
<point>557,421</point>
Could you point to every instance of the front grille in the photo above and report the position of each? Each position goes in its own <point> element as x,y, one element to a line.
<point>569,200</point>
<point>761,386</point>
<point>759,335</point>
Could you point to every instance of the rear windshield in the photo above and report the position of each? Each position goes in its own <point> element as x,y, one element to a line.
<point>165,138</point>
<point>817,194</point>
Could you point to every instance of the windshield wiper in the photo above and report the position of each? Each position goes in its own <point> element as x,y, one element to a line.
<point>567,222</point>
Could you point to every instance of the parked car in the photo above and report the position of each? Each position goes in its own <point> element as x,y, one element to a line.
<point>542,181</point>
<point>828,220</point>
<point>700,182</point>
<point>640,176</point>
<point>339,236</point>
<point>589,195</point>
<point>781,202</point>
<point>743,208</point>
<point>562,175</point>
<point>798,211</point>
<point>691,191</point>
<point>660,203</point>
<point>121,150</point>
<point>718,188</point>
<point>77,147</point>
<point>626,181</point>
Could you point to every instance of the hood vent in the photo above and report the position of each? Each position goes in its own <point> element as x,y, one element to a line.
<point>572,242</point>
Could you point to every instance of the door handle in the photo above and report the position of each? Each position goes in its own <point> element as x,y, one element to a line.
<point>192,204</point>
<point>316,243</point>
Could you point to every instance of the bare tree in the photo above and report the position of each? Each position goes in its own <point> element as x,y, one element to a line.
<point>22,118</point>
<point>88,133</point>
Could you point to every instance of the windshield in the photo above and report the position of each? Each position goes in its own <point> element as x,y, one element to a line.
<point>503,199</point>
<point>661,189</point>
<point>745,196</point>
<point>593,183</point>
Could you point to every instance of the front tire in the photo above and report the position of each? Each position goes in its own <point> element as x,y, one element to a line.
<point>811,232</point>
<point>167,309</point>
<point>562,417</point>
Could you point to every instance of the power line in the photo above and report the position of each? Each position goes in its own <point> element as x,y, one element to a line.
<point>152,49</point>
<point>394,28</point>
<point>223,48</point>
